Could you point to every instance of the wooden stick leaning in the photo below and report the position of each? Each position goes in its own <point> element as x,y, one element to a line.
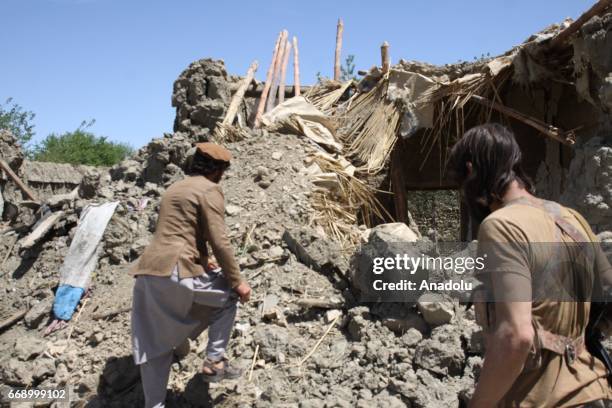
<point>264,94</point>
<point>6,168</point>
<point>296,68</point>
<point>332,324</point>
<point>567,138</point>
<point>253,363</point>
<point>277,71</point>
<point>239,95</point>
<point>598,8</point>
<point>13,319</point>
<point>339,32</point>
<point>281,87</point>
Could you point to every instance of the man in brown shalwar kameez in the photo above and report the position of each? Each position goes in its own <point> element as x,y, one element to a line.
<point>177,293</point>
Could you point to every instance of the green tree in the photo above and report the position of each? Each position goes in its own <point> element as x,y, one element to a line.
<point>80,147</point>
<point>17,120</point>
<point>348,69</point>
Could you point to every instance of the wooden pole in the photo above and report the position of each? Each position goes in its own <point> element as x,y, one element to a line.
<point>239,95</point>
<point>7,169</point>
<point>384,55</point>
<point>339,31</point>
<point>296,67</point>
<point>598,8</point>
<point>281,87</point>
<point>277,70</point>
<point>264,93</point>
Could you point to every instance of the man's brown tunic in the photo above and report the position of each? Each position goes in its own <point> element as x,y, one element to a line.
<point>191,214</point>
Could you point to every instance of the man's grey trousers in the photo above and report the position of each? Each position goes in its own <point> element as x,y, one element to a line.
<point>168,310</point>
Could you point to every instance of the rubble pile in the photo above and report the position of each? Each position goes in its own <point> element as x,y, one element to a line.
<point>374,355</point>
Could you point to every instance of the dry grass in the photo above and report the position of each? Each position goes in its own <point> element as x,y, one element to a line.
<point>369,128</point>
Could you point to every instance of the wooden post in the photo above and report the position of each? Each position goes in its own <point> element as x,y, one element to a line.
<point>7,169</point>
<point>384,55</point>
<point>264,93</point>
<point>296,67</point>
<point>339,31</point>
<point>277,69</point>
<point>281,87</point>
<point>398,186</point>
<point>239,95</point>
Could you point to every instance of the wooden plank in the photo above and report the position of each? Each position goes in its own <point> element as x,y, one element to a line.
<point>7,169</point>
<point>339,32</point>
<point>43,227</point>
<point>296,67</point>
<point>281,87</point>
<point>239,95</point>
<point>13,319</point>
<point>567,138</point>
<point>597,9</point>
<point>264,93</point>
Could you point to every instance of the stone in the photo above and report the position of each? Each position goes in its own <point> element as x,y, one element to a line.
<point>120,373</point>
<point>277,155</point>
<point>442,353</point>
<point>332,314</point>
<point>38,313</point>
<point>404,324</point>
<point>28,347</point>
<point>313,250</point>
<point>232,210</point>
<point>436,309</point>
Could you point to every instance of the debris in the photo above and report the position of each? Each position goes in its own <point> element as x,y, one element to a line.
<point>41,229</point>
<point>253,363</point>
<point>13,319</point>
<point>333,323</point>
<point>7,169</point>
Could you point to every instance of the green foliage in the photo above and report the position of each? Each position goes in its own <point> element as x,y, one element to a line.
<point>348,69</point>
<point>80,147</point>
<point>18,121</point>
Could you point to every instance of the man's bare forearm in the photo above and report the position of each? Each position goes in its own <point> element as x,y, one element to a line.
<point>503,362</point>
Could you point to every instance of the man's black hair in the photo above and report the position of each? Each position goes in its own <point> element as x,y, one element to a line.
<point>204,165</point>
<point>496,161</point>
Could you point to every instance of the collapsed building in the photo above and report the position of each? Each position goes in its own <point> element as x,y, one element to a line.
<point>304,207</point>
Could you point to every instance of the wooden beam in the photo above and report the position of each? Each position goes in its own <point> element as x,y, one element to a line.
<point>384,56</point>
<point>264,92</point>
<point>281,87</point>
<point>277,71</point>
<point>7,169</point>
<point>567,138</point>
<point>296,67</point>
<point>597,9</point>
<point>339,32</point>
<point>239,95</point>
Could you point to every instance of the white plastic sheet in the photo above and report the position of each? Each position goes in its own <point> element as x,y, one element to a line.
<point>83,252</point>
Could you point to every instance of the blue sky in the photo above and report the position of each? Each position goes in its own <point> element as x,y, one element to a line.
<point>116,60</point>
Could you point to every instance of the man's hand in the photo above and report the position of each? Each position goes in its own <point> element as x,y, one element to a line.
<point>244,291</point>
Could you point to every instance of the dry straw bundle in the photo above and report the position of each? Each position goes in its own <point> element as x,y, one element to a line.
<point>338,199</point>
<point>369,127</point>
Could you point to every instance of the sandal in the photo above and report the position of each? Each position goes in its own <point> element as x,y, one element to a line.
<point>227,372</point>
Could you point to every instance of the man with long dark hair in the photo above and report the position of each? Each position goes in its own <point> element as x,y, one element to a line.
<point>178,293</point>
<point>535,348</point>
